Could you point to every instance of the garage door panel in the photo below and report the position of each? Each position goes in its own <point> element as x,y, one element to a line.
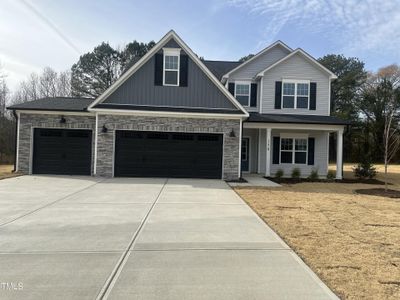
<point>62,151</point>
<point>160,154</point>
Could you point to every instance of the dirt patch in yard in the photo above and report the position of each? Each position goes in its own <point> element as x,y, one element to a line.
<point>350,240</point>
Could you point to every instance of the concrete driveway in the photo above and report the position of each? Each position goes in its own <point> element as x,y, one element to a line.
<point>87,238</point>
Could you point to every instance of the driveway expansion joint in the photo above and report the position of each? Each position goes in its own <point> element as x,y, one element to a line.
<point>107,287</point>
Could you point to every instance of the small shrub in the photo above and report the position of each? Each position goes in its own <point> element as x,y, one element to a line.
<point>279,173</point>
<point>296,173</point>
<point>365,170</point>
<point>313,175</point>
<point>331,175</point>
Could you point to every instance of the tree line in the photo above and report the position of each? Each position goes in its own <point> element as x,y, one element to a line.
<point>369,100</point>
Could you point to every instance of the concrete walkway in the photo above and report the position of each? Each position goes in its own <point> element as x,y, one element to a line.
<point>255,180</point>
<point>87,238</point>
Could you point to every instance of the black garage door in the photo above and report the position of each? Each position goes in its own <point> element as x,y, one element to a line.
<point>62,151</point>
<point>160,154</point>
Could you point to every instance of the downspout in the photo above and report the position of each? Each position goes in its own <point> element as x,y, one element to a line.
<point>15,141</point>
<point>241,136</point>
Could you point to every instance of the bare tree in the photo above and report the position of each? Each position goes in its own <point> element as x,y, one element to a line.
<point>64,84</point>
<point>4,91</point>
<point>32,87</point>
<point>389,90</point>
<point>7,124</point>
<point>48,83</point>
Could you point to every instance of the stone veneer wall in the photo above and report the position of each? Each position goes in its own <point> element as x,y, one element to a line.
<point>105,143</point>
<point>29,121</point>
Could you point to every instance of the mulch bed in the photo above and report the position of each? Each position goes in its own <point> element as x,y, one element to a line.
<point>344,180</point>
<point>379,192</point>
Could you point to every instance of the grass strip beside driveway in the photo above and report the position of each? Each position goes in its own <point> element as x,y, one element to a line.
<point>351,241</point>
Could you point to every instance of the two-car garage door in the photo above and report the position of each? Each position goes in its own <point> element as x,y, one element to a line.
<point>137,153</point>
<point>163,154</point>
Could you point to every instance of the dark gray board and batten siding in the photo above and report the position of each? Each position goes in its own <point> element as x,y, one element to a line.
<point>140,89</point>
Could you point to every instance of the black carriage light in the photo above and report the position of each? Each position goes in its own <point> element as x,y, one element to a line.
<point>104,129</point>
<point>232,133</point>
<point>62,120</point>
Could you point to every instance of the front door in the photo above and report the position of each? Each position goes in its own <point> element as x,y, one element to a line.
<point>245,154</point>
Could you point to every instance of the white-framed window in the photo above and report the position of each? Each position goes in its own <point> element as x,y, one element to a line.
<point>293,150</point>
<point>286,151</point>
<point>242,93</point>
<point>171,67</point>
<point>295,94</point>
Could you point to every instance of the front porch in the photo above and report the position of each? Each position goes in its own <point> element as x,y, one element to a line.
<point>269,147</point>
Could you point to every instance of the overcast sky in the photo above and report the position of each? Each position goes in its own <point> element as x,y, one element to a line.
<point>39,33</point>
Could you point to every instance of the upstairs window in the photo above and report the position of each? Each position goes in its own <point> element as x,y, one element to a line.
<point>171,67</point>
<point>242,93</point>
<point>288,95</point>
<point>295,94</point>
<point>302,95</point>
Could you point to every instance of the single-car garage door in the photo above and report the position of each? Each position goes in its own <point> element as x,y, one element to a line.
<point>162,154</point>
<point>62,151</point>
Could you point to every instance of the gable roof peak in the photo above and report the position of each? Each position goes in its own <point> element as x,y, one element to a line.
<point>158,46</point>
<point>304,54</point>
<point>266,49</point>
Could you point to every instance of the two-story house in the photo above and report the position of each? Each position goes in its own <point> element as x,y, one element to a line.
<point>173,115</point>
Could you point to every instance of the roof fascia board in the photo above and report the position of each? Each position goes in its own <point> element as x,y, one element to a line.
<point>53,112</point>
<point>280,43</point>
<point>159,106</point>
<point>295,126</point>
<point>167,114</point>
<point>306,55</point>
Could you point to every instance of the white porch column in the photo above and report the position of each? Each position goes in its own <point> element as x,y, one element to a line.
<point>95,144</point>
<point>268,153</point>
<point>339,155</point>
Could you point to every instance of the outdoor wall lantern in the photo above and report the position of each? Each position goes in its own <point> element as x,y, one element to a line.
<point>232,134</point>
<point>104,129</point>
<point>62,120</point>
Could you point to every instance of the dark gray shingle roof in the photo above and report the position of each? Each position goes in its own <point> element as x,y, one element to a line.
<point>296,119</point>
<point>220,68</point>
<point>57,103</point>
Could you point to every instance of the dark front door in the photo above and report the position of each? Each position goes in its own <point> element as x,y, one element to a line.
<point>162,154</point>
<point>245,154</point>
<point>62,151</point>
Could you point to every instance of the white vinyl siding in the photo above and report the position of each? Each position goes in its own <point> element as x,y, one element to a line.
<point>260,63</point>
<point>296,68</point>
<point>320,154</point>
